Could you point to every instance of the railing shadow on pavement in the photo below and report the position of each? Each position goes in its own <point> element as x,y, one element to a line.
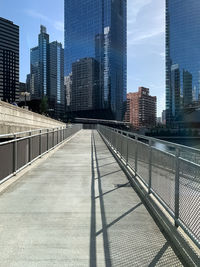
<point>117,251</point>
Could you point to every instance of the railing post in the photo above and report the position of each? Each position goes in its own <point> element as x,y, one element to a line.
<point>40,145</point>
<point>136,154</point>
<point>53,142</point>
<point>15,155</point>
<point>47,139</point>
<point>57,135</point>
<point>150,165</point>
<point>127,149</point>
<point>177,186</point>
<point>30,148</point>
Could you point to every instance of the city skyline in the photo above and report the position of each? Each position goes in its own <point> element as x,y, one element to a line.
<point>146,67</point>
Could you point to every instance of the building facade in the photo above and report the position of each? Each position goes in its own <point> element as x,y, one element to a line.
<point>56,79</point>
<point>97,29</point>
<point>84,84</point>
<point>47,73</point>
<point>141,109</point>
<point>9,61</point>
<point>182,57</point>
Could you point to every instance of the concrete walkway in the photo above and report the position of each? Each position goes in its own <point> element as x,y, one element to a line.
<point>77,209</point>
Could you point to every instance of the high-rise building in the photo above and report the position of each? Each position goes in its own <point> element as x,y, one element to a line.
<point>182,57</point>
<point>68,91</point>
<point>47,73</point>
<point>97,29</point>
<point>9,61</point>
<point>56,79</point>
<point>85,74</point>
<point>141,109</point>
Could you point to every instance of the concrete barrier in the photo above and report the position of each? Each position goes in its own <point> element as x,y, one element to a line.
<point>14,119</point>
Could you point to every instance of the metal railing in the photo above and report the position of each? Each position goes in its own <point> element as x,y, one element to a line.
<point>170,172</point>
<point>20,152</point>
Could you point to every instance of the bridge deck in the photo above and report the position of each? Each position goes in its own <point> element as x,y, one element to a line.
<point>76,209</point>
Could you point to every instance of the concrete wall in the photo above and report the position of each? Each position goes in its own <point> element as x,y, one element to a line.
<point>14,119</point>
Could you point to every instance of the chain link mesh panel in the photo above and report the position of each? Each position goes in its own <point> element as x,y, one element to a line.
<point>143,161</point>
<point>163,176</point>
<point>189,199</point>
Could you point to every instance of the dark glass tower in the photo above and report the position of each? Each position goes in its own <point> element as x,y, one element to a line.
<point>9,61</point>
<point>47,73</point>
<point>182,57</point>
<point>97,29</point>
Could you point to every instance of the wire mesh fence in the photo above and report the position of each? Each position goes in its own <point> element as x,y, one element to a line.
<point>172,176</point>
<point>19,152</point>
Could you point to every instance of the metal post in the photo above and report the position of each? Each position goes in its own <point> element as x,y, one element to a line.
<point>53,138</point>
<point>136,154</point>
<point>15,155</point>
<point>57,135</point>
<point>40,143</point>
<point>30,148</point>
<point>177,186</point>
<point>127,150</point>
<point>47,139</point>
<point>150,165</point>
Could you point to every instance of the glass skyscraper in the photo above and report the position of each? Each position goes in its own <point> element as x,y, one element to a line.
<point>9,61</point>
<point>182,57</point>
<point>47,73</point>
<point>97,29</point>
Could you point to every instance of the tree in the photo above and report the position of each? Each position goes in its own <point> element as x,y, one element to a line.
<point>44,105</point>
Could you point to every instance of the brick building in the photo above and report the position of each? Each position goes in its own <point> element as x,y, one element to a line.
<point>141,109</point>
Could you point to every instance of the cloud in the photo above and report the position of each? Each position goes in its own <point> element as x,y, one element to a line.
<point>34,14</point>
<point>145,20</point>
<point>58,25</point>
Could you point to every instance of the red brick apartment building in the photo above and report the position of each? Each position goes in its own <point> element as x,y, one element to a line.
<point>141,109</point>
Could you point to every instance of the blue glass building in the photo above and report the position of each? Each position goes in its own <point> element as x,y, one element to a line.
<point>182,57</point>
<point>97,29</point>
<point>47,73</point>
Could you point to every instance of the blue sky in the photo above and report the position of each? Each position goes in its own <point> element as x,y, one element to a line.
<point>146,38</point>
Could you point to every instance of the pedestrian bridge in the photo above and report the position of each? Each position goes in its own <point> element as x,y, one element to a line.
<point>99,198</point>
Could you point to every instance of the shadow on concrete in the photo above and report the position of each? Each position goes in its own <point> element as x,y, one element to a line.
<point>123,246</point>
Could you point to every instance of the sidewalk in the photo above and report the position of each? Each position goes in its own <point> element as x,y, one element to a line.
<point>77,209</point>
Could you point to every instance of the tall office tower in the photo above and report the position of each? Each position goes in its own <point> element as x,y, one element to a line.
<point>56,79</point>
<point>141,109</point>
<point>9,61</point>
<point>47,73</point>
<point>97,29</point>
<point>39,68</point>
<point>85,74</point>
<point>68,91</point>
<point>182,57</point>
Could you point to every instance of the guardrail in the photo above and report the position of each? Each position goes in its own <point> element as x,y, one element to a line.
<point>20,152</point>
<point>171,175</point>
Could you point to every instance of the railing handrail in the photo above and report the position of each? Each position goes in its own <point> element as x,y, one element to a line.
<point>173,171</point>
<point>148,138</point>
<point>31,131</point>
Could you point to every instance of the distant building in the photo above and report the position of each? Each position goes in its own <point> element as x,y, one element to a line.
<point>47,73</point>
<point>182,58</point>
<point>98,29</point>
<point>55,91</point>
<point>164,117</point>
<point>84,84</point>
<point>159,120</point>
<point>68,91</point>
<point>141,109</point>
<point>9,61</point>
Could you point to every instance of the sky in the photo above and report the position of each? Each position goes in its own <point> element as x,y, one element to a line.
<point>145,38</point>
